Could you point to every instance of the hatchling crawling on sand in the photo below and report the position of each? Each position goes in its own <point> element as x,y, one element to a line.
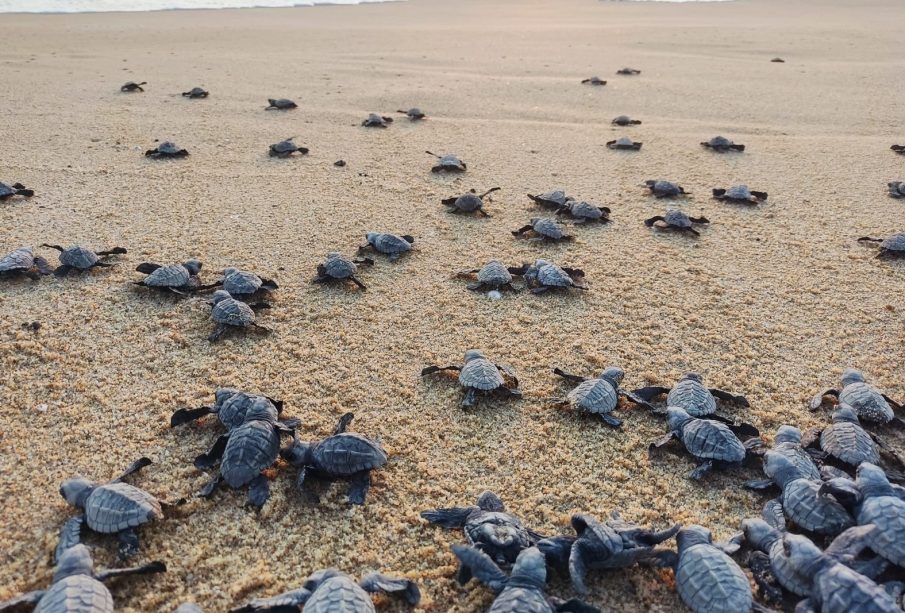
<point>691,394</point>
<point>552,199</point>
<point>338,267</point>
<point>196,92</point>
<point>81,258</point>
<point>722,144</point>
<point>469,202</point>
<point>523,590</point>
<point>478,374</point>
<point>391,245</point>
<point>332,591</point>
<point>707,579</point>
<point>280,104</point>
<point>414,113</point>
<point>374,120</point>
<point>739,193</point>
<point>24,262</point>
<point>543,276</point>
<point>665,189</point>
<point>624,143</point>
<point>593,81</point>
<point>166,150</point>
<point>612,544</point>
<point>628,71</point>
<point>599,396</point>
<point>132,86</point>
<point>896,189</point>
<point>243,284</point>
<point>494,275</point>
<point>868,402</point>
<point>582,212</point>
<point>676,220</point>
<point>625,120</point>
<point>845,440</point>
<point>229,313</point>
<point>448,163</point>
<point>787,443</point>
<point>179,279</point>
<point>285,149</point>
<point>230,406</point>
<point>343,455</point>
<point>890,247</point>
<point>898,149</point>
<point>16,189</point>
<point>76,586</point>
<point>543,229</point>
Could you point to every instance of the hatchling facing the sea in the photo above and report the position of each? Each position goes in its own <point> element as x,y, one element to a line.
<point>787,443</point>
<point>896,189</point>
<point>624,143</point>
<point>677,220</point>
<point>448,163</point>
<point>469,202</point>
<point>599,396</point>
<point>691,394</point>
<point>77,587</point>
<point>845,440</point>
<point>81,258</point>
<point>478,374</point>
<point>543,276</point>
<point>552,200</point>
<point>229,313</point>
<point>665,189</point>
<point>628,71</point>
<point>582,212</point>
<point>242,284</point>
<point>280,104</point>
<point>868,402</point>
<point>625,120</point>
<point>196,92</point>
<point>166,150</point>
<point>16,189</point>
<point>739,193</point>
<point>494,275</point>
<point>722,144</point>
<point>543,229</point>
<point>230,406</point>
<point>890,247</point>
<point>593,81</point>
<point>179,279</point>
<point>132,86</point>
<point>24,262</point>
<point>707,579</point>
<point>338,267</point>
<point>391,245</point>
<point>414,113</point>
<point>285,149</point>
<point>376,121</point>
<point>898,149</point>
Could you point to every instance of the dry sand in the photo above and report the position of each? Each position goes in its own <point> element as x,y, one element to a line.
<point>771,301</point>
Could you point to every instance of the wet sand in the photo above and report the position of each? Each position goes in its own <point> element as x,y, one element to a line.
<point>771,301</point>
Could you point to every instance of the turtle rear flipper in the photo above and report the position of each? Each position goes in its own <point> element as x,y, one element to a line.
<point>134,467</point>
<point>29,598</point>
<point>359,484</point>
<point>183,416</point>
<point>728,396</point>
<point>377,582</point>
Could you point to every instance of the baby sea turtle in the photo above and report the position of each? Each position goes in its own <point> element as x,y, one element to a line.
<point>624,143</point>
<point>196,92</point>
<point>582,211</point>
<point>594,81</point>
<point>599,396</point>
<point>166,150</point>
<point>108,508</point>
<point>24,262</point>
<point>448,163</point>
<point>343,455</point>
<point>245,452</point>
<point>338,267</point>
<point>552,199</point>
<point>543,276</point>
<point>625,120</point>
<point>77,587</point>
<point>739,193</point>
<point>285,148</point>
<point>778,60</point>
<point>413,113</point>
<point>707,579</point>
<point>896,189</point>
<point>845,439</point>
<point>628,71</point>
<point>180,279</point>
<point>469,202</point>
<point>544,229</point>
<point>665,189</point>
<point>280,104</point>
<point>332,591</point>
<point>787,443</point>
<point>227,313</point>
<point>242,284</point>
<point>674,219</point>
<point>391,245</point>
<point>230,406</point>
<point>523,591</point>
<point>488,527</point>
<point>376,121</point>
<point>890,247</point>
<point>691,394</point>
<point>81,258</point>
<point>132,86</point>
<point>898,149</point>
<point>868,402</point>
<point>612,544</point>
<point>722,144</point>
<point>478,374</point>
<point>494,275</point>
<point>16,189</point>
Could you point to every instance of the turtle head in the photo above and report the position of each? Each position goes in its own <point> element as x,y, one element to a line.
<point>230,271</point>
<point>677,417</point>
<point>780,469</point>
<point>534,220</point>
<point>692,376</point>
<point>315,580</point>
<point>219,295</point>
<point>850,375</point>
<point>845,412</point>
<point>872,481</point>
<point>298,453</point>
<point>531,567</point>
<point>614,375</point>
<point>473,354</point>
<point>690,536</point>
<point>488,501</point>
<point>223,394</point>
<point>804,556</point>
<point>193,266</point>
<point>77,490</point>
<point>759,533</point>
<point>372,236</point>
<point>76,560</point>
<point>787,434</point>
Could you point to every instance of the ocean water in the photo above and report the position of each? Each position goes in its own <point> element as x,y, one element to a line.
<point>103,6</point>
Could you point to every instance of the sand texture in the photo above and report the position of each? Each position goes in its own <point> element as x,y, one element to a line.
<point>771,301</point>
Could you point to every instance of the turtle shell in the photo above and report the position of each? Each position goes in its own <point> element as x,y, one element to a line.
<point>677,218</point>
<point>594,396</point>
<point>624,142</point>
<point>547,227</point>
<point>556,198</point>
<point>168,148</point>
<point>251,448</point>
<point>197,92</point>
<point>481,374</point>
<point>867,401</point>
<point>233,312</point>
<point>494,274</point>
<point>800,458</point>
<point>665,188</point>
<point>76,594</point>
<point>22,258</point>
<point>786,574</point>
<point>551,275</point>
<point>338,266</point>
<point>232,412</point>
<point>239,282</point>
<point>6,190</point>
<point>339,594</point>
<point>720,142</point>
<point>173,275</point>
<point>498,534</point>
<point>839,589</point>
<point>622,120</point>
<point>79,257</point>
<point>896,242</point>
<point>468,202</point>
<point>282,103</point>
<point>888,514</point>
<point>712,440</point>
<point>374,121</point>
<point>519,599</point>
<point>390,244</point>
<point>348,453</point>
<point>451,162</point>
<point>809,511</point>
<point>585,210</point>
<point>709,581</point>
<point>286,146</point>
<point>850,443</point>
<point>114,507</point>
<point>692,396</point>
<point>738,192</point>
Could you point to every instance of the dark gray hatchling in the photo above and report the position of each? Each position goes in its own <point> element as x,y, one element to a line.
<point>488,527</point>
<point>414,113</point>
<point>544,276</point>
<point>625,120</point>
<point>243,284</point>
<point>24,262</point>
<point>76,586</point>
<point>469,202</point>
<point>374,120</point>
<point>787,443</point>
<point>82,258</point>
<point>707,579</point>
<point>280,104</point>
<point>132,86</point>
<point>552,200</point>
<point>494,275</point>
<point>896,189</point>
<point>478,374</point>
<point>285,149</point>
<point>332,591</point>
<point>593,81</point>
<point>607,545</point>
<point>230,406</point>
<point>665,189</point>
<point>448,163</point>
<point>341,456</point>
<point>677,220</point>
<point>16,189</point>
<point>722,144</point>
<point>166,150</point>
<point>523,590</point>
<point>543,229</point>
<point>846,441</point>
<point>868,402</point>
<point>115,507</point>
<point>196,92</point>
<point>691,394</point>
<point>229,313</point>
<point>245,451</point>
<point>391,245</point>
<point>898,149</point>
<point>628,71</point>
<point>583,212</point>
<point>179,279</point>
<point>599,395</point>
<point>739,193</point>
<point>890,247</point>
<point>624,143</point>
<point>338,267</point>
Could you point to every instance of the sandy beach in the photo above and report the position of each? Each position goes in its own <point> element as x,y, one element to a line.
<point>772,301</point>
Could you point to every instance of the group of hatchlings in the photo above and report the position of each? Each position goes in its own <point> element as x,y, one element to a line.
<point>859,521</point>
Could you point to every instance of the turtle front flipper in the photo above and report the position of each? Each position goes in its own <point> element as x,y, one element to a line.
<point>144,569</point>
<point>450,518</point>
<point>210,487</point>
<point>218,332</point>
<point>288,601</point>
<point>343,424</point>
<point>62,270</point>
<point>134,467</point>
<point>183,416</point>
<point>128,543</point>
<point>70,535</point>
<point>482,567</point>
<point>578,568</point>
<point>29,598</point>
<point>758,485</point>
<point>258,491</point>
<point>359,484</point>
<point>635,399</point>
<point>701,470</point>
<point>429,370</point>
<point>568,376</point>
<point>651,392</point>
<point>377,582</point>
<point>207,460</point>
<point>470,397</point>
<point>660,442</point>
<point>610,420</point>
<point>729,397</point>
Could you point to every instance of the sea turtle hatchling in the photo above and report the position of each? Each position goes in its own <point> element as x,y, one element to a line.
<point>414,113</point>
<point>628,71</point>
<point>196,92</point>
<point>543,276</point>
<point>552,200</point>
<point>469,202</point>
<point>896,189</point>
<point>494,275</point>
<point>599,395</point>
<point>889,247</point>
<point>478,374</point>
<point>869,403</point>
<point>664,189</point>
<point>707,579</point>
<point>625,120</point>
<point>132,86</point>
<point>24,262</point>
<point>16,189</point>
<point>166,150</point>
<point>81,258</point>
<point>285,149</point>
<point>228,313</point>
<point>593,81</point>
<point>691,394</point>
<point>898,149</point>
<point>338,267</point>
<point>230,406</point>
<point>280,104</point>
<point>341,456</point>
<point>677,220</point>
<point>612,544</point>
<point>332,591</point>
<point>582,212</point>
<point>624,143</point>
<point>179,279</point>
<point>787,443</point>
<point>76,586</point>
<point>374,120</point>
<point>243,284</point>
<point>543,229</point>
<point>448,163</point>
<point>391,245</point>
<point>845,440</point>
<point>722,144</point>
<point>739,193</point>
